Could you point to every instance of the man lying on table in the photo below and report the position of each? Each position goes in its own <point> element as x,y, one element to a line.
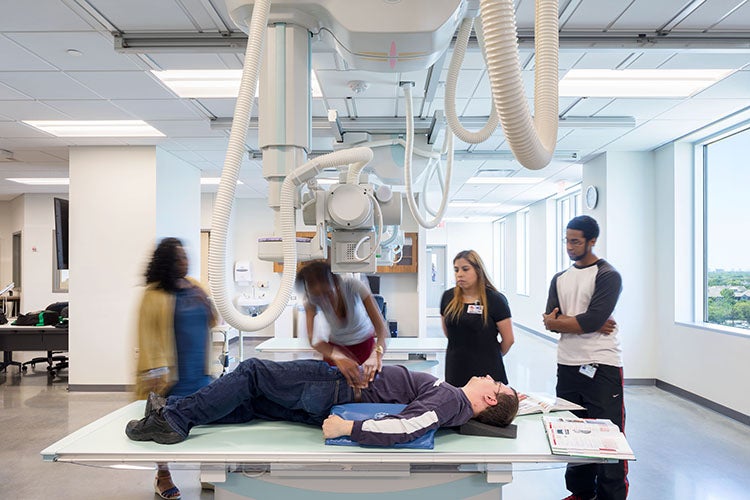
<point>306,390</point>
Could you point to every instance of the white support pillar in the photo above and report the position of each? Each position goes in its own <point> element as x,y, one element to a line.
<point>122,201</point>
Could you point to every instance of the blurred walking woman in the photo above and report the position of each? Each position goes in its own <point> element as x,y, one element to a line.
<point>474,313</point>
<point>174,336</point>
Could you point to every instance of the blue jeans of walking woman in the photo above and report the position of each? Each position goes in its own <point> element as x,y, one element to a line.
<point>296,391</point>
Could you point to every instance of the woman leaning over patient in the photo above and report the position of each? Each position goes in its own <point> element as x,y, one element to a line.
<point>357,328</point>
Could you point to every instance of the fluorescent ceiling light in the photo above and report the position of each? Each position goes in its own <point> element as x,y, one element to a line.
<point>202,83</point>
<point>214,181</point>
<point>503,180</point>
<point>95,128</point>
<point>42,181</point>
<point>212,83</point>
<point>639,82</point>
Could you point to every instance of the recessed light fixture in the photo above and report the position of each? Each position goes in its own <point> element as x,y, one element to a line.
<point>95,128</point>
<point>41,181</point>
<point>212,83</point>
<point>486,179</point>
<point>639,82</point>
<point>214,181</point>
<point>74,52</point>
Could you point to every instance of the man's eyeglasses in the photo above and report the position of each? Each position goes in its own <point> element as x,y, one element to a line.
<point>575,242</point>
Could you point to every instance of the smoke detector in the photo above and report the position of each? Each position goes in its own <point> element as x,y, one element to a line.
<point>6,155</point>
<point>358,86</point>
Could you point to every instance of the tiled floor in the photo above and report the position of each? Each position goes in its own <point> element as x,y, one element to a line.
<point>684,451</point>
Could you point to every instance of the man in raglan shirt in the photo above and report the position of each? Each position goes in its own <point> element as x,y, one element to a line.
<point>589,360</point>
<point>306,390</point>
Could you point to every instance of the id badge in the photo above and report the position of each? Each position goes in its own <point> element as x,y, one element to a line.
<point>475,309</point>
<point>588,370</point>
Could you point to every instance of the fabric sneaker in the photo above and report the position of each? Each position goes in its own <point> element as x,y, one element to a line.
<point>581,497</point>
<point>153,428</point>
<point>154,402</point>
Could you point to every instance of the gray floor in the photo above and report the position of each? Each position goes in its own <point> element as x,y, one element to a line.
<point>684,451</point>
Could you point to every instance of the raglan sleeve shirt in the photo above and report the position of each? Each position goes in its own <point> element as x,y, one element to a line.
<point>431,403</point>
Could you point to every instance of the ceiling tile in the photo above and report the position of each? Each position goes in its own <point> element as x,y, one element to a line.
<point>601,60</point>
<point>736,22</point>
<point>158,109</point>
<point>46,85</point>
<point>122,84</point>
<point>16,58</point>
<point>648,60</point>
<point>588,106</point>
<point>706,61</point>
<point>97,50</point>
<point>87,109</point>
<point>592,15</point>
<point>708,14</point>
<point>165,15</point>
<point>40,15</point>
<point>704,109</point>
<point>735,86</point>
<point>9,130</point>
<point>641,109</point>
<point>30,110</point>
<point>642,14</point>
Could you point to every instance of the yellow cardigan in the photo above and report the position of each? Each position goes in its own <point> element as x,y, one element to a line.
<point>156,340</point>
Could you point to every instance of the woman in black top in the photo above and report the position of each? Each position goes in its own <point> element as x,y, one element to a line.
<point>474,313</point>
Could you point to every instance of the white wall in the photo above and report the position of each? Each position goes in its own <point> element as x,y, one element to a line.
<point>630,243</point>
<point>458,236</point>
<point>116,206</point>
<point>37,252</point>
<point>704,361</point>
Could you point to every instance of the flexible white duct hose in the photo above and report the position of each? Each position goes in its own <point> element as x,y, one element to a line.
<point>501,49</point>
<point>409,149</point>
<point>230,173</point>
<point>454,69</point>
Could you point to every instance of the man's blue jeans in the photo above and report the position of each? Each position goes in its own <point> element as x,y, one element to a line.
<point>296,391</point>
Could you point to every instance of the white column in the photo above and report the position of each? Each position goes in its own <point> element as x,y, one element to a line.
<point>122,201</point>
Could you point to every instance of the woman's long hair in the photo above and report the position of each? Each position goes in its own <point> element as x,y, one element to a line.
<point>456,306</point>
<point>319,271</point>
<point>163,269</point>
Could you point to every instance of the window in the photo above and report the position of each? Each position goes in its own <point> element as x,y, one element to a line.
<point>569,205</point>
<point>726,260</point>
<point>522,252</point>
<point>500,254</point>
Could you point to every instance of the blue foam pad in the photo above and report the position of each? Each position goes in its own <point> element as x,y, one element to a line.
<point>367,411</point>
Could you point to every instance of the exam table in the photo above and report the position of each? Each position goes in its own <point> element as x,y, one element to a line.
<point>276,460</point>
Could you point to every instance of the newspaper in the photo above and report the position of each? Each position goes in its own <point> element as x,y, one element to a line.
<point>544,403</point>
<point>596,438</point>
